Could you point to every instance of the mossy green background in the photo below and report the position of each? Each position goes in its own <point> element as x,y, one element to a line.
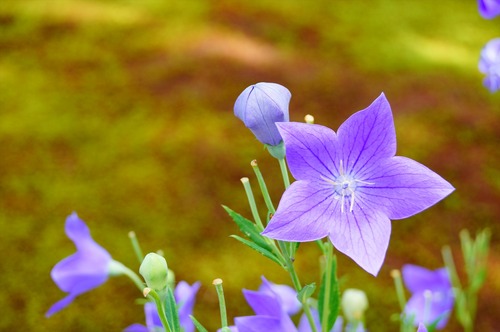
<point>122,111</point>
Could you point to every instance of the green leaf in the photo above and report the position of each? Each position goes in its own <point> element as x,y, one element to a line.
<point>306,292</point>
<point>199,327</point>
<point>261,250</point>
<point>171,311</point>
<point>249,229</point>
<point>330,300</point>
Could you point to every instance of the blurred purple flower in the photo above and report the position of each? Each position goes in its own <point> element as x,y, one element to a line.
<point>272,305</point>
<point>86,269</point>
<point>421,328</point>
<point>489,64</point>
<point>261,105</point>
<point>350,184</point>
<point>185,296</point>
<point>432,295</point>
<point>489,8</point>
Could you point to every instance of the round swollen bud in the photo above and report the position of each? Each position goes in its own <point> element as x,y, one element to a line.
<point>260,106</point>
<point>154,270</point>
<point>354,303</point>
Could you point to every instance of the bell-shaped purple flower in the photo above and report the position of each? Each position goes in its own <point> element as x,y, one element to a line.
<point>489,64</point>
<point>260,106</point>
<point>432,295</point>
<point>86,269</point>
<point>350,184</point>
<point>489,8</point>
<point>185,296</point>
<point>272,305</point>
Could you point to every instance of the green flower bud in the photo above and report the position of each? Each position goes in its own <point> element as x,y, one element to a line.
<point>354,303</point>
<point>154,270</point>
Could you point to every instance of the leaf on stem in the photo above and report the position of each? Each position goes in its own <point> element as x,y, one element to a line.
<point>329,295</point>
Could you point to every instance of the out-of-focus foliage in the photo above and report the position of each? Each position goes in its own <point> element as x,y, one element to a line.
<point>121,110</point>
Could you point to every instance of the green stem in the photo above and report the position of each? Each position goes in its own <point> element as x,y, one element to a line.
<point>398,284</point>
<point>117,268</point>
<point>251,201</point>
<point>284,172</point>
<point>296,284</point>
<point>222,303</point>
<point>450,266</point>
<point>405,322</point>
<point>136,246</point>
<point>159,306</point>
<point>263,187</point>
<point>328,275</point>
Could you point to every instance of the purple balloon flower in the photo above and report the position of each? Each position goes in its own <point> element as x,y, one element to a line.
<point>185,296</point>
<point>87,269</point>
<point>272,305</point>
<point>432,295</point>
<point>260,106</point>
<point>489,8</point>
<point>350,184</point>
<point>489,64</point>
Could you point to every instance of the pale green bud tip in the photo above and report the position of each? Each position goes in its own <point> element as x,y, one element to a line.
<point>154,270</point>
<point>309,119</point>
<point>253,163</point>
<point>131,234</point>
<point>217,282</point>
<point>354,303</point>
<point>244,180</point>
<point>146,291</point>
<point>395,274</point>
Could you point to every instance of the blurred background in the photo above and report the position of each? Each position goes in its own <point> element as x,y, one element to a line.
<point>121,110</point>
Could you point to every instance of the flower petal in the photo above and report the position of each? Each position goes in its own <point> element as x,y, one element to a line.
<point>419,279</point>
<point>263,303</point>
<point>286,295</point>
<point>489,8</point>
<point>363,235</point>
<point>185,296</point>
<point>79,273</point>
<point>311,150</point>
<point>136,328</point>
<point>61,304</point>
<point>439,308</point>
<point>367,136</point>
<point>304,213</point>
<point>402,187</point>
<point>259,324</point>
<point>77,230</point>
<point>153,320</point>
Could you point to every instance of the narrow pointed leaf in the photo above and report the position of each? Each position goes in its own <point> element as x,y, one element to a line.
<point>198,325</point>
<point>332,299</point>
<point>248,228</point>
<point>171,311</point>
<point>261,250</point>
<point>306,292</point>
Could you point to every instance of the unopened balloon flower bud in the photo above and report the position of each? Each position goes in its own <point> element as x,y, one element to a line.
<point>260,106</point>
<point>154,270</point>
<point>354,303</point>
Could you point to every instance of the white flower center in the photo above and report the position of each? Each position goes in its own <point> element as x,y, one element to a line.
<point>345,188</point>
